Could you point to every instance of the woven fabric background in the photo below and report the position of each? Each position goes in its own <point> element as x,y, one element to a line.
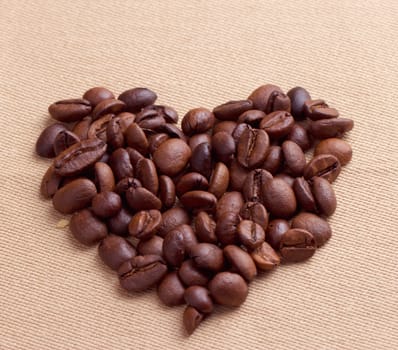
<point>56,294</point>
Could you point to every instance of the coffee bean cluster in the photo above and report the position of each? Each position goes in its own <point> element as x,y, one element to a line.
<point>196,211</point>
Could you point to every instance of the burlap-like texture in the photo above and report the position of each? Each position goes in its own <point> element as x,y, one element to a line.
<point>56,294</point>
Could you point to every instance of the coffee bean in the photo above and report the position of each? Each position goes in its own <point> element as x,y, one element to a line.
<point>45,142</point>
<point>327,128</point>
<point>232,110</point>
<point>173,131</point>
<point>199,298</point>
<point>70,110</point>
<point>227,126</point>
<point>227,227</point>
<point>137,98</point>
<point>197,139</point>
<point>119,223</point>
<point>106,204</point>
<point>136,138</point>
<point>134,155</point>
<point>207,256</point>
<point>64,140</point>
<point>81,128</point>
<point>201,160</point>
<point>238,175</point>
<point>191,275</point>
<point>98,127</point>
<point>252,148</point>
<point>286,178</point>
<point>319,109</point>
<point>141,272</point>
<point>318,227</point>
<point>253,187</point>
<point>125,119</point>
<point>273,159</point>
<point>336,147</point>
<point>121,164</point>
<point>156,140</point>
<point>167,191</point>
<point>299,135</point>
<point>277,124</point>
<point>151,246</point>
<point>152,124</point>
<point>205,228</point>
<point>191,182</point>
<point>191,319</point>
<point>279,198</point>
<point>264,257</point>
<point>250,234</point>
<point>166,112</point>
<point>294,158</point>
<point>142,199</point>
<point>229,289</point>
<point>171,219</point>
<point>96,95</point>
<point>276,229</point>
<point>223,146</point>
<point>190,239</point>
<point>199,200</point>
<point>172,156</point>
<point>171,290</point>
<point>269,98</point>
<point>108,106</point>
<point>197,120</point>
<point>255,212</point>
<point>252,117</point>
<point>230,202</point>
<point>50,183</point>
<point>324,196</point>
<point>114,134</point>
<point>146,173</point>
<point>87,228</point>
<point>74,196</point>
<point>219,180</point>
<point>104,178</point>
<point>174,248</point>
<point>298,96</point>
<point>114,250</point>
<point>144,224</point>
<point>297,245</point>
<point>239,130</point>
<point>304,196</point>
<point>241,262</point>
<point>323,165</point>
<point>124,184</point>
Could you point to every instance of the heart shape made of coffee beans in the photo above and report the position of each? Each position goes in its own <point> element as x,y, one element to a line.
<point>197,210</point>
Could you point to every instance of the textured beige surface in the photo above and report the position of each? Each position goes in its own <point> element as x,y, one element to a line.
<point>55,294</point>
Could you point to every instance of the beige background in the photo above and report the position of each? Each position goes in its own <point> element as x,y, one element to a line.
<point>55,294</point>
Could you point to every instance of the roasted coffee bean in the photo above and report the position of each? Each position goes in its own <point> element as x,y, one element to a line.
<point>227,227</point>
<point>277,124</point>
<point>252,148</point>
<point>273,159</point>
<point>45,142</point>
<point>255,212</point>
<point>205,228</point>
<point>106,204</point>
<point>297,245</point>
<point>137,98</point>
<point>174,247</point>
<point>145,223</point>
<point>167,191</point>
<point>230,202</point>
<point>119,223</point>
<point>239,130</point>
<point>141,272</point>
<point>223,146</point>
<point>317,226</point>
<point>229,289</point>
<point>294,158</point>
<point>125,119</point>
<point>279,198</point>
<point>232,110</point>
<point>134,155</point>
<point>207,256</point>
<point>269,98</point>
<point>250,234</point>
<point>191,182</point>
<point>108,106</point>
<point>124,184</point>
<point>190,239</point>
<point>253,187</point>
<point>324,196</point>
<point>171,290</point>
<point>156,140</point>
<point>252,117</point>
<point>227,126</point>
<point>265,258</point>
<point>199,200</point>
<point>199,298</point>
<point>172,156</point>
<point>191,319</point>
<point>191,275</point>
<point>336,147</point>
<point>64,140</point>
<point>323,165</point>
<point>319,109</point>
<point>98,127</point>
<point>304,196</point>
<point>114,250</point>
<point>96,95</point>
<point>327,128</point>
<point>241,262</point>
<point>173,131</point>
<point>299,135</point>
<point>197,139</point>
<point>237,174</point>
<point>219,180</point>
<point>70,110</point>
<point>197,120</point>
<point>171,219</point>
<point>104,178</point>
<point>114,134</point>
<point>285,177</point>
<point>150,125</point>
<point>169,114</point>
<point>201,159</point>
<point>121,164</point>
<point>74,196</point>
<point>298,96</point>
<point>81,128</point>
<point>151,246</point>
<point>136,138</point>
<point>50,183</point>
<point>141,199</point>
<point>146,173</point>
<point>87,228</point>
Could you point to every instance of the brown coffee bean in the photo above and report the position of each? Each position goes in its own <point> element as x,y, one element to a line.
<point>191,319</point>
<point>227,126</point>
<point>199,200</point>
<point>199,298</point>
<point>327,128</point>
<point>298,96</point>
<point>81,128</point>
<point>104,178</point>
<point>229,289</point>
<point>74,196</point>
<point>250,234</point>
<point>45,142</point>
<point>230,202</point>
<point>279,198</point>
<point>114,133</point>
<point>336,147</point>
<point>232,110</point>
<point>50,183</point>
<point>252,117</point>
<point>108,106</point>
<point>238,175</point>
<point>144,224</point>
<point>124,184</point>
<point>151,246</point>
<point>136,138</point>
<point>86,228</point>
<point>173,131</point>
<point>273,159</point>
<point>239,130</point>
<point>223,146</point>
<point>285,177</point>
<point>106,204</point>
<point>255,212</point>
<point>172,156</point>
<point>277,124</point>
<point>324,196</point>
<point>191,275</point>
<point>142,199</point>
<point>269,98</point>
<point>64,140</point>
<point>152,124</point>
<point>227,228</point>
<point>191,182</point>
<point>174,247</point>
<point>197,139</point>
<point>190,239</point>
<point>171,219</point>
<point>171,290</point>
<point>70,110</point>
<point>156,140</point>
<point>146,173</point>
<point>252,148</point>
<point>317,226</point>
<point>141,272</point>
<point>114,250</point>
<point>169,114</point>
<point>167,191</point>
<point>207,256</point>
<point>319,109</point>
<point>205,228</point>
<point>201,160</point>
<point>265,258</point>
<point>137,98</point>
<point>98,127</point>
<point>121,164</point>
<point>219,180</point>
<point>119,223</point>
<point>276,229</point>
<point>125,119</point>
<point>304,196</point>
<point>297,245</point>
<point>241,262</point>
<point>294,158</point>
<point>197,120</point>
<point>323,165</point>
<point>299,135</point>
<point>253,187</point>
<point>134,155</point>
<point>96,95</point>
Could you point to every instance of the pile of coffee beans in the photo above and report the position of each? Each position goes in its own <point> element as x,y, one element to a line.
<point>199,210</point>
